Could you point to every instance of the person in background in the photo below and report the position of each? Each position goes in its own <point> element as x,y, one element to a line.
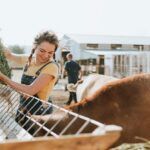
<point>73,71</point>
<point>39,75</point>
<point>72,88</point>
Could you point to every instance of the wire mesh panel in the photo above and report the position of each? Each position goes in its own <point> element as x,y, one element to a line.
<point>9,102</point>
<point>32,118</point>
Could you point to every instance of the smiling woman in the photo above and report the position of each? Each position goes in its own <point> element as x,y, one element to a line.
<point>44,51</point>
<point>40,72</point>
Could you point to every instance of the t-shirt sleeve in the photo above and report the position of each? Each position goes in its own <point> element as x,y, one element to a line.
<point>51,69</point>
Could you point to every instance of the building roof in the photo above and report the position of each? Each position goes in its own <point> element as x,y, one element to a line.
<point>114,52</point>
<point>108,39</point>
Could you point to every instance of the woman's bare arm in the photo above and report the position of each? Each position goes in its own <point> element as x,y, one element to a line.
<point>17,58</point>
<point>32,89</point>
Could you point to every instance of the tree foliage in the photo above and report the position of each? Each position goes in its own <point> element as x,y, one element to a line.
<point>4,67</point>
<point>17,49</point>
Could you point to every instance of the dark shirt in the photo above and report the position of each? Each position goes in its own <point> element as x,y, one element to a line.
<point>72,69</point>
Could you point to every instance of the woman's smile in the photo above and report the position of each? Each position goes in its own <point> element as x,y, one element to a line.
<point>44,52</point>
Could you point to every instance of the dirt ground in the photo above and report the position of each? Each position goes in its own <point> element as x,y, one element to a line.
<point>59,96</point>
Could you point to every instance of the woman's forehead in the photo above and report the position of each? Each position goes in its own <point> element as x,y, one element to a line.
<point>47,46</point>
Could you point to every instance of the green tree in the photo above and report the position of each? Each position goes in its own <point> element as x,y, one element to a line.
<point>4,67</point>
<point>17,49</point>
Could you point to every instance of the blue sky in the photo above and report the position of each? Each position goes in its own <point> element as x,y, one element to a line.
<point>21,20</point>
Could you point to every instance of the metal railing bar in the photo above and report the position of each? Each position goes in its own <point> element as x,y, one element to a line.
<point>83,127</point>
<point>69,124</point>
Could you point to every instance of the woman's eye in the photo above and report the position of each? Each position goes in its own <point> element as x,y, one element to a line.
<point>41,50</point>
<point>51,52</point>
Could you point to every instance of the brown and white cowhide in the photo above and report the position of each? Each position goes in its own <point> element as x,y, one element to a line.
<point>92,83</point>
<point>124,102</point>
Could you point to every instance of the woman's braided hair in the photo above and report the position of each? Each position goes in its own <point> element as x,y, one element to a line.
<point>46,36</point>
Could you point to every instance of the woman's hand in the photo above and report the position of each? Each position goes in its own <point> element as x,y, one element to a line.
<point>16,58</point>
<point>7,53</point>
<point>2,76</point>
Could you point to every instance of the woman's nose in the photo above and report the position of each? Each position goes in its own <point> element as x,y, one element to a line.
<point>47,55</point>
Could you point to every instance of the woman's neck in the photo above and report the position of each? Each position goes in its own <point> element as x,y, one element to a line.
<point>37,63</point>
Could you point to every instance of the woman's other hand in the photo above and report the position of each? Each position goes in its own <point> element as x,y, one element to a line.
<point>2,76</point>
<point>7,53</point>
<point>16,58</point>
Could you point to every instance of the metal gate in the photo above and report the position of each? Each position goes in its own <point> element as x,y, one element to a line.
<point>90,134</point>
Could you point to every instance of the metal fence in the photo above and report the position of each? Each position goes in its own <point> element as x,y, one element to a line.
<point>18,130</point>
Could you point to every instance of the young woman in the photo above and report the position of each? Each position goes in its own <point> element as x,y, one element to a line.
<point>40,73</point>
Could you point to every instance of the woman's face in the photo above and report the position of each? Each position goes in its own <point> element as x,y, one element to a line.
<point>44,52</point>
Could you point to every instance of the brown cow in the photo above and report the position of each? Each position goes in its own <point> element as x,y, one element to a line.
<point>124,102</point>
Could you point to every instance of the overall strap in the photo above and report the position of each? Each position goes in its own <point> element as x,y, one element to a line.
<point>38,72</point>
<point>25,68</point>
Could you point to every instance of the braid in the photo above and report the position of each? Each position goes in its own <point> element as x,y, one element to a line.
<point>41,37</point>
<point>30,57</point>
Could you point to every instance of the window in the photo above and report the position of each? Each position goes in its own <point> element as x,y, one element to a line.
<point>138,47</point>
<point>92,46</point>
<point>116,46</point>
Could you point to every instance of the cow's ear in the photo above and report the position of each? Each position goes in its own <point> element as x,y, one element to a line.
<point>67,107</point>
<point>74,107</point>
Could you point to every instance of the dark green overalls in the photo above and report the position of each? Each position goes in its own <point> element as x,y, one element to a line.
<point>30,105</point>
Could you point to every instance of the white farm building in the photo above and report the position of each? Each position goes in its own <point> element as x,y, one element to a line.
<point>111,55</point>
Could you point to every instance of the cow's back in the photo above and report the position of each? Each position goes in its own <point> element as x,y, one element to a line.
<point>126,103</point>
<point>91,84</point>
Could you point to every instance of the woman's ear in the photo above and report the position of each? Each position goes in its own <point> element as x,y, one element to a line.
<point>54,56</point>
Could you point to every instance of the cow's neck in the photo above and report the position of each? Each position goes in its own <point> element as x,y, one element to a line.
<point>83,108</point>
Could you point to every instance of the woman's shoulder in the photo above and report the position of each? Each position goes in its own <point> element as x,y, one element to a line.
<point>50,67</point>
<point>52,64</point>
